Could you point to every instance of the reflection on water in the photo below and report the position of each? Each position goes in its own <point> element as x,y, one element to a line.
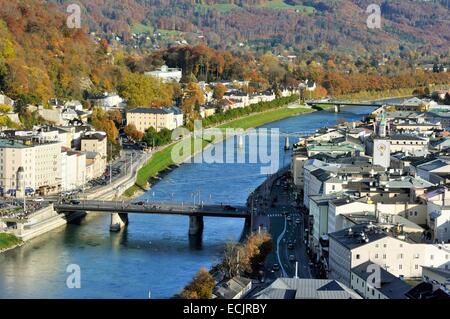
<point>155,252</point>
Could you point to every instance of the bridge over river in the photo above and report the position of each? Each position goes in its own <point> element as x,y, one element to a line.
<point>119,211</point>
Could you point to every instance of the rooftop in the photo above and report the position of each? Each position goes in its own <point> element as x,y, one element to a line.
<point>390,285</point>
<point>358,235</point>
<point>299,288</point>
<point>151,110</point>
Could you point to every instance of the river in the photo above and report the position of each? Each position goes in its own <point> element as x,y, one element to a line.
<point>153,256</point>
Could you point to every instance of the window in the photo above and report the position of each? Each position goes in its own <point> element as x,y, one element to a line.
<point>416,267</point>
<point>400,267</point>
<point>357,256</point>
<point>384,256</point>
<point>385,245</point>
<point>431,257</point>
<point>376,256</point>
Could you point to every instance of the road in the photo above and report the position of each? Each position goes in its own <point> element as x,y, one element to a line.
<point>286,225</point>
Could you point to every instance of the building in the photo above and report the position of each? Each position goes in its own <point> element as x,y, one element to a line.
<point>39,161</point>
<point>235,288</point>
<point>73,169</point>
<point>386,286</point>
<point>109,101</point>
<point>95,146</point>
<point>393,251</point>
<point>297,288</point>
<point>438,277</point>
<point>334,149</point>
<point>158,118</point>
<point>167,74</point>
<point>6,100</point>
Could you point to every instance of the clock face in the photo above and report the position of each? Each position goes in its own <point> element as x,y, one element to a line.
<point>381,148</point>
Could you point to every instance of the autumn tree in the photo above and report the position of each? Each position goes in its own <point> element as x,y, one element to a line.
<point>131,131</point>
<point>192,99</point>
<point>115,116</point>
<point>201,287</point>
<point>101,122</point>
<point>219,91</point>
<point>145,91</point>
<point>246,257</point>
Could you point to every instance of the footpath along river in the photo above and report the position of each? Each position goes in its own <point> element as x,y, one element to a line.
<point>153,255</point>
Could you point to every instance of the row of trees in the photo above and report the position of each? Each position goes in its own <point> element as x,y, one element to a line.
<point>253,108</point>
<point>151,137</point>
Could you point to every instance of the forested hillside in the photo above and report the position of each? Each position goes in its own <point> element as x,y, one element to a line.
<point>41,58</point>
<point>292,24</point>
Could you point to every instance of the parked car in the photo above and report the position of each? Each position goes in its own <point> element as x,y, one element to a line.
<point>74,202</point>
<point>38,199</point>
<point>298,221</point>
<point>291,246</point>
<point>291,258</point>
<point>276,267</point>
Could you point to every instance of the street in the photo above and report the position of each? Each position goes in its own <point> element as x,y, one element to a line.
<point>286,225</point>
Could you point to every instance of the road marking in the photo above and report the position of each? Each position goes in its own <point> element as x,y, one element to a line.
<point>278,248</point>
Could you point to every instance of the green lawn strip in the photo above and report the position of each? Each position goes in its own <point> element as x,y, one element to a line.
<point>8,241</point>
<point>160,161</point>
<point>264,118</point>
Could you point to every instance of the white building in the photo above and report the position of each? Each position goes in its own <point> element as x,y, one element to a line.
<point>401,257</point>
<point>73,169</point>
<point>109,101</point>
<point>6,100</point>
<point>386,286</point>
<point>40,161</point>
<point>167,74</point>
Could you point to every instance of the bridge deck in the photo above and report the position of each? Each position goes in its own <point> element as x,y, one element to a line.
<point>154,208</point>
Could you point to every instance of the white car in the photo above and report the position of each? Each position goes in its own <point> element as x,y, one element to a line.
<point>38,199</point>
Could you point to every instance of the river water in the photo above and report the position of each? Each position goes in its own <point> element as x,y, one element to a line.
<point>153,256</point>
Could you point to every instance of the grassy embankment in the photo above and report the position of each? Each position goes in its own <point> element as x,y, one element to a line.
<point>162,159</point>
<point>8,241</point>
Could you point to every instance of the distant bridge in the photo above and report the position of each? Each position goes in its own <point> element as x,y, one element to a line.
<point>338,104</point>
<point>119,211</point>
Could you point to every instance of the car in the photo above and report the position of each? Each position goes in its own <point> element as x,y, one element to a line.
<point>74,202</point>
<point>289,218</point>
<point>38,199</point>
<point>298,221</point>
<point>291,246</point>
<point>140,203</point>
<point>291,258</point>
<point>276,267</point>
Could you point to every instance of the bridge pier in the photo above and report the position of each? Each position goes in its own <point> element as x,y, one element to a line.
<point>195,225</point>
<point>337,108</point>
<point>118,221</point>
